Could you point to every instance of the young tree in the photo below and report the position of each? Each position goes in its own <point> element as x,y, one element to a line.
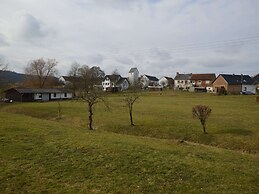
<point>91,98</point>
<point>42,70</point>
<point>202,112</point>
<point>129,100</point>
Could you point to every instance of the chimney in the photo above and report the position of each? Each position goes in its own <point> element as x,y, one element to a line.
<point>177,73</point>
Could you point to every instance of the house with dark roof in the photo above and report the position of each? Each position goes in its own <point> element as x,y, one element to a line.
<point>256,83</point>
<point>37,94</point>
<point>203,82</point>
<point>166,82</point>
<point>234,84</point>
<point>182,81</point>
<point>115,83</point>
<point>148,80</point>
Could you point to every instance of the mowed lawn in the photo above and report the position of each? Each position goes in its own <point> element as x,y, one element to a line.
<point>49,156</point>
<point>233,124</point>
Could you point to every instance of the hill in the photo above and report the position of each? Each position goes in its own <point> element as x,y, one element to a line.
<point>10,77</point>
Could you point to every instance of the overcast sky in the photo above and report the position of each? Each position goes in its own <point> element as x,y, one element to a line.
<point>159,37</point>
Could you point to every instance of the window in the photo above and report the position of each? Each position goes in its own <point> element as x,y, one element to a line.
<point>245,88</point>
<point>54,95</point>
<point>207,81</point>
<point>65,94</point>
<point>40,95</point>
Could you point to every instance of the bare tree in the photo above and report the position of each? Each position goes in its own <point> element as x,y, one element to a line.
<point>84,73</point>
<point>74,74</point>
<point>202,112</point>
<point>91,98</point>
<point>42,70</point>
<point>129,100</point>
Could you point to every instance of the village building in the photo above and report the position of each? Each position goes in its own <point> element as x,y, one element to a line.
<point>115,83</point>
<point>182,81</point>
<point>203,82</point>
<point>234,84</point>
<point>37,94</point>
<point>133,76</point>
<point>166,82</point>
<point>148,80</point>
<point>256,83</point>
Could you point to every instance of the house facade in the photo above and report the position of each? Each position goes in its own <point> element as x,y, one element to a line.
<point>166,82</point>
<point>148,80</point>
<point>40,94</point>
<point>203,82</point>
<point>234,84</point>
<point>115,83</point>
<point>133,76</point>
<point>182,81</point>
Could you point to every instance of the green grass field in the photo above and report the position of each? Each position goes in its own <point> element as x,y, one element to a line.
<point>42,154</point>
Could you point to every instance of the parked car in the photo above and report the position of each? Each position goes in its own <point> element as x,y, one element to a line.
<point>6,100</point>
<point>247,93</point>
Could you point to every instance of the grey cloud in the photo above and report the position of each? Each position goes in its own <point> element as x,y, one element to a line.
<point>29,27</point>
<point>3,41</point>
<point>125,60</point>
<point>96,59</point>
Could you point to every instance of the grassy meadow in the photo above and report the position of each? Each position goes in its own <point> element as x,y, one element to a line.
<point>42,154</point>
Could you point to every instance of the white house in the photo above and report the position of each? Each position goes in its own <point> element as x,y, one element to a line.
<point>182,81</point>
<point>166,82</point>
<point>38,94</point>
<point>147,80</point>
<point>133,76</point>
<point>115,83</point>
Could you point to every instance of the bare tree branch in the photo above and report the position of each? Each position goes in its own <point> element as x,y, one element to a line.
<point>202,112</point>
<point>42,70</point>
<point>91,98</point>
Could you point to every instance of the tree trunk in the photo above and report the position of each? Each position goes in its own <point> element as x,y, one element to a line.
<point>204,128</point>
<point>90,122</point>
<point>131,116</point>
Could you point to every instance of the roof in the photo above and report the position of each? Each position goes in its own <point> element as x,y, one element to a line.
<point>113,78</point>
<point>38,90</point>
<point>121,80</point>
<point>256,79</point>
<point>183,76</point>
<point>168,78</point>
<point>132,70</point>
<point>205,76</point>
<point>152,78</point>
<point>233,79</point>
<point>72,78</point>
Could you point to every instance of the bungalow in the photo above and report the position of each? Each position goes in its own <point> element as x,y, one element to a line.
<point>39,94</point>
<point>234,84</point>
<point>147,80</point>
<point>115,83</point>
<point>182,81</point>
<point>203,82</point>
<point>166,82</point>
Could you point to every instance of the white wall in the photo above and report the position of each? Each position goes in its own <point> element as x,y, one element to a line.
<point>249,88</point>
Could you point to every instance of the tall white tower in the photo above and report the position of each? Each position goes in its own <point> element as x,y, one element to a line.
<point>133,76</point>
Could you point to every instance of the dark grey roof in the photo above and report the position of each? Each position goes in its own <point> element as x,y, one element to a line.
<point>152,78</point>
<point>121,80</point>
<point>38,90</point>
<point>256,79</point>
<point>183,76</point>
<point>132,70</point>
<point>113,78</point>
<point>168,78</point>
<point>233,79</point>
